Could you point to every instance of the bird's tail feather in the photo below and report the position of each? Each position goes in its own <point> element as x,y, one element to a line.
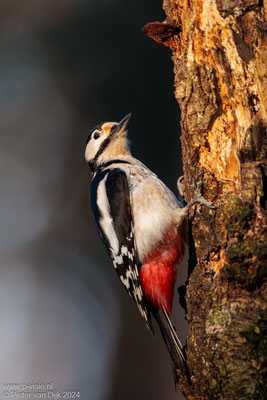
<point>172,341</point>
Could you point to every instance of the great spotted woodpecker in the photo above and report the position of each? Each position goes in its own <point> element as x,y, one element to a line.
<point>142,225</point>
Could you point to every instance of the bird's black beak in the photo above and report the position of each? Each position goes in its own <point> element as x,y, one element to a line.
<point>123,123</point>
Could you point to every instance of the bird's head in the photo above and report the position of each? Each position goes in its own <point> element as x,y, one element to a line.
<point>106,142</point>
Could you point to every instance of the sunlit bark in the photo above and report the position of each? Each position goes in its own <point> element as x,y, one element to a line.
<point>219,52</point>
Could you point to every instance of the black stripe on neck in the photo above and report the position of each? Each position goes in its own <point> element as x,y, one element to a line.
<point>103,146</point>
<point>107,164</point>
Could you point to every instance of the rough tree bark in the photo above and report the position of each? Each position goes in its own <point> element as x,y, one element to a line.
<point>220,55</point>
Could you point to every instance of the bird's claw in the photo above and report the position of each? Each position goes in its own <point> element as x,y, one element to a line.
<point>197,190</point>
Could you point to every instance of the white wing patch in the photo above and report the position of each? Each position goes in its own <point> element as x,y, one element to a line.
<point>105,220</point>
<point>121,247</point>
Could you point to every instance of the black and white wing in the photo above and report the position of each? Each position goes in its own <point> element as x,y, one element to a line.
<point>110,202</point>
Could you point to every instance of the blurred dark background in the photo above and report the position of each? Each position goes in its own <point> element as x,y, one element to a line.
<point>65,66</point>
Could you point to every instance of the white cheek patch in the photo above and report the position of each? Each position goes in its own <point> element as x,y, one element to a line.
<point>106,221</point>
<point>93,147</point>
<point>90,151</point>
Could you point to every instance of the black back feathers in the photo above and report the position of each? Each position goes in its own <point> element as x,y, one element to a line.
<point>110,201</point>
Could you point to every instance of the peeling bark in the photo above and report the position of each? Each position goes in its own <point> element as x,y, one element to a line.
<point>219,52</point>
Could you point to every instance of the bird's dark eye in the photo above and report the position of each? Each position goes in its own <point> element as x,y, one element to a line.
<point>96,135</point>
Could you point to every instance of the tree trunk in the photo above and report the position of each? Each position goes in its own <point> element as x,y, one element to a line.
<point>220,56</point>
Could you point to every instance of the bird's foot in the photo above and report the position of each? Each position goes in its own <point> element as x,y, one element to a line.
<point>197,190</point>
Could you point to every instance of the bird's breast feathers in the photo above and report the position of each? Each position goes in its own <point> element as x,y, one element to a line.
<point>154,207</point>
<point>153,212</point>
